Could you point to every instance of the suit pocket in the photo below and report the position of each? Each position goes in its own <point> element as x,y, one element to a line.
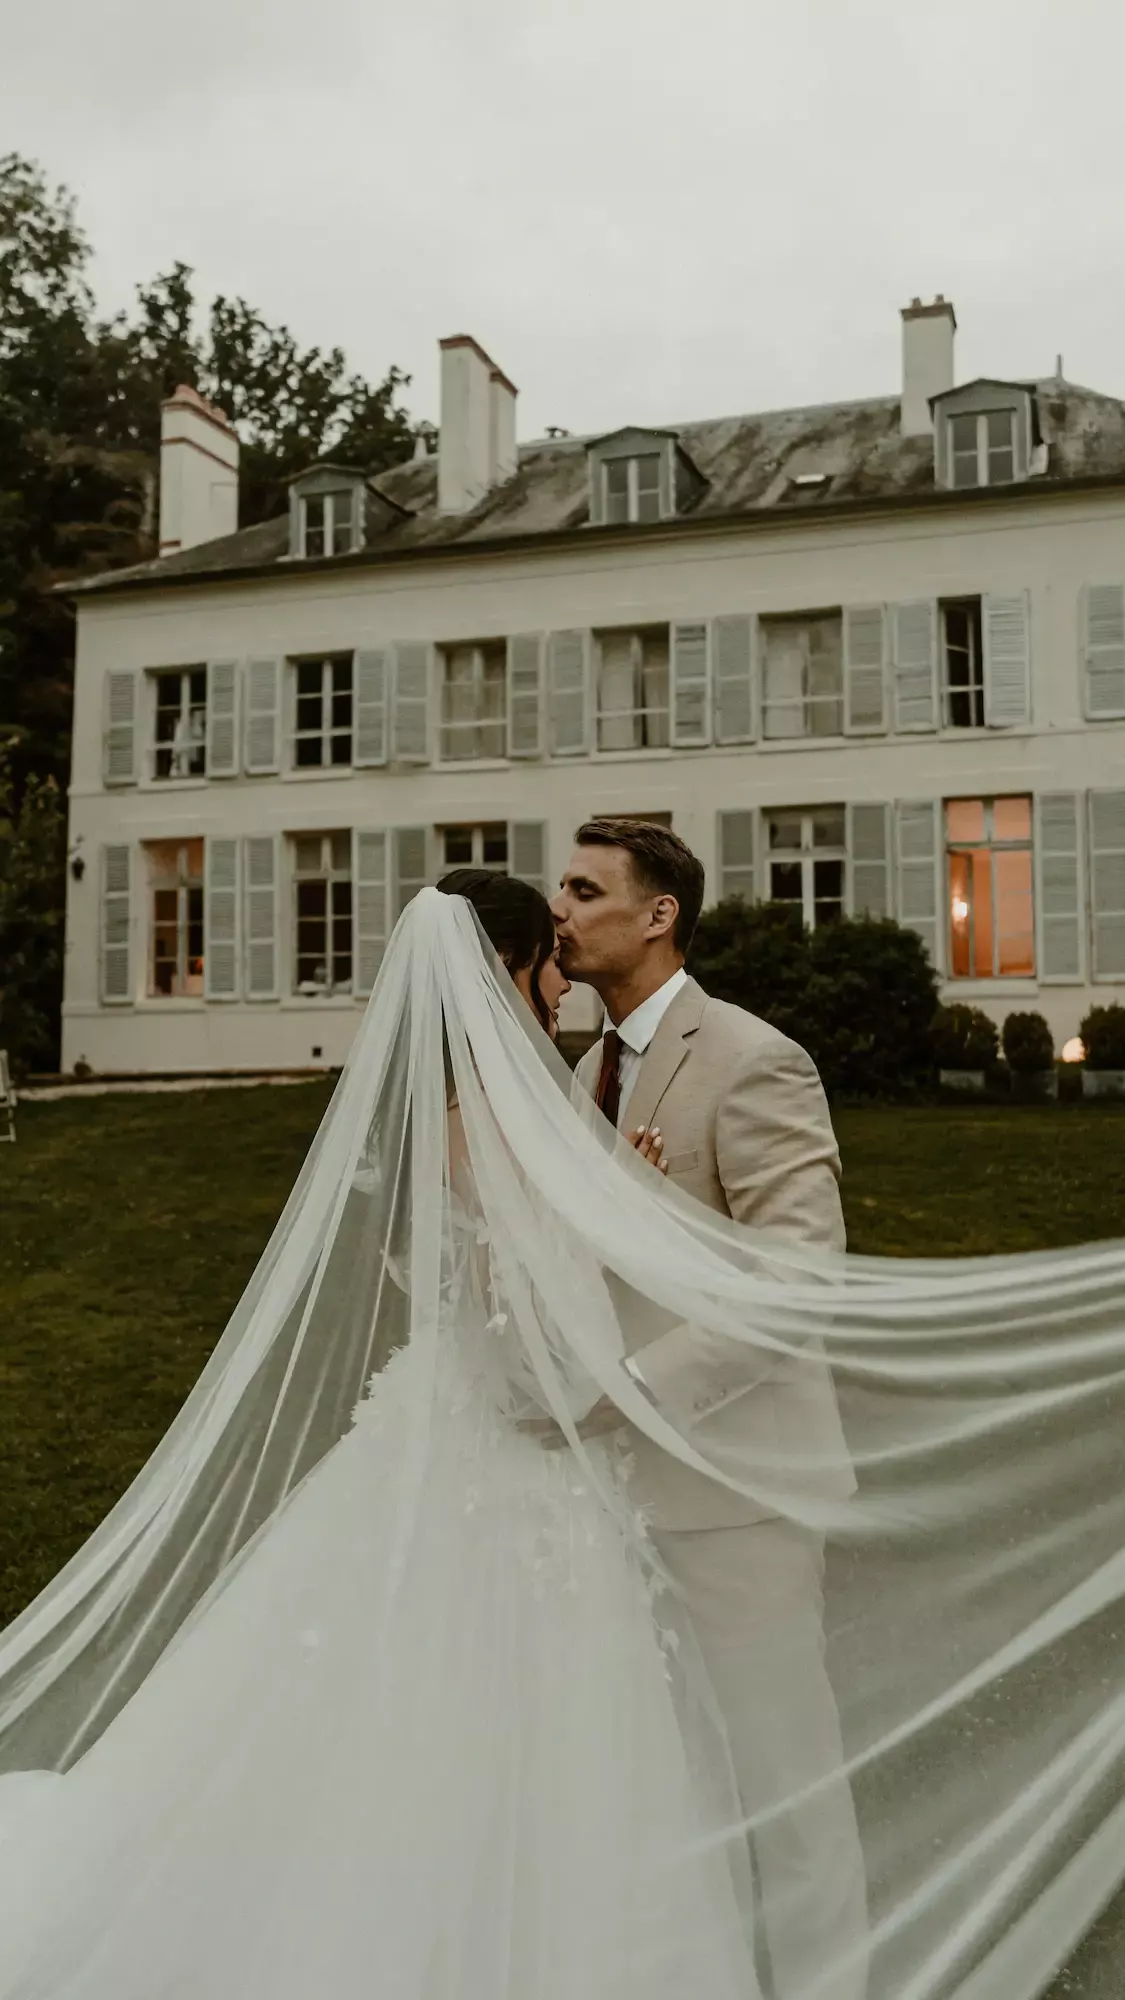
<point>683,1163</point>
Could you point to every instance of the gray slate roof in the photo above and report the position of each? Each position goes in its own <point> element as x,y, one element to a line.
<point>749,464</point>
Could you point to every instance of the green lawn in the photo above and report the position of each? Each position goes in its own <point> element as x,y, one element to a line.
<point>129,1225</point>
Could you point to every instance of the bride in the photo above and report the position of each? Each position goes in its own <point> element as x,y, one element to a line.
<point>360,1691</point>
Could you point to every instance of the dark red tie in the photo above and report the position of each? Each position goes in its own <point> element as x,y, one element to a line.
<point>608,1099</point>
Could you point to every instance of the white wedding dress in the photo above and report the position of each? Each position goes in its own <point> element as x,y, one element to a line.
<point>450,1769</point>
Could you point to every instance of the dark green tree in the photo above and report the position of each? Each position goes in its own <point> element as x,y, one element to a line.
<point>32,864</point>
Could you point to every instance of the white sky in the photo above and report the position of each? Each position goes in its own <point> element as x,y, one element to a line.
<point>646,210</point>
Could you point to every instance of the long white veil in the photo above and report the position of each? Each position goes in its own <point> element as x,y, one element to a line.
<point>976,1584</point>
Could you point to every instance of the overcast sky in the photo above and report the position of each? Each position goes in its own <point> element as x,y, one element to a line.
<point>646,210</point>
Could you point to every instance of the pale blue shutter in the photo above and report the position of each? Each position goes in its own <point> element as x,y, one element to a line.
<point>736,855</point>
<point>869,860</point>
<point>1006,626</point>
<point>409,847</point>
<point>222,719</point>
<point>119,737</point>
<point>567,693</point>
<point>1107,883</point>
<point>865,690</point>
<point>263,717</point>
<point>116,980</point>
<point>527,852</point>
<point>1103,650</point>
<point>919,873</point>
<point>691,690</point>
<point>412,704</point>
<point>732,653</point>
<point>525,695</point>
<point>369,872</point>
<point>369,734</point>
<point>914,665</point>
<point>260,879</point>
<point>1058,898</point>
<point>220,920</point>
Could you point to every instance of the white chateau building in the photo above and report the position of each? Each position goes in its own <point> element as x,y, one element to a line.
<point>868,656</point>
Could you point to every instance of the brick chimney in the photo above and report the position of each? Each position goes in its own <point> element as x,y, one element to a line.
<point>927,361</point>
<point>477,435</point>
<point>198,472</point>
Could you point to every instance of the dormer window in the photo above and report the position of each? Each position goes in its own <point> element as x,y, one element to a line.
<point>982,448</point>
<point>328,523</point>
<point>632,488</point>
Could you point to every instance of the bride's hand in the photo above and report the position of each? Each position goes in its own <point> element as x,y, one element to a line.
<point>650,1146</point>
<point>604,1418</point>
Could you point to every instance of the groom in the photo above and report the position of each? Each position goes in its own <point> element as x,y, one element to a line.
<point>746,1130</point>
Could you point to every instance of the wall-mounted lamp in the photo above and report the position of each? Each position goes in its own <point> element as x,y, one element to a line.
<point>77,867</point>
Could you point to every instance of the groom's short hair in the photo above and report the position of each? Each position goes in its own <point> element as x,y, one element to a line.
<point>663,865</point>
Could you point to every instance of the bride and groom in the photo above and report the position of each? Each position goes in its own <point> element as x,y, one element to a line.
<point>473,1696</point>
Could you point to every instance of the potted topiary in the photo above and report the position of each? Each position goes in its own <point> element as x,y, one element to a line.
<point>1029,1051</point>
<point>965,1044</point>
<point>1103,1038</point>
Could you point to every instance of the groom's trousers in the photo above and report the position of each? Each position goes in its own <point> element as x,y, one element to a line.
<point>755,1598</point>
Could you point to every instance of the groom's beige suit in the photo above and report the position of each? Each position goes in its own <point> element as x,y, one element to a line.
<point>747,1131</point>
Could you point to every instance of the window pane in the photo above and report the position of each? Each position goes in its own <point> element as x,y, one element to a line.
<point>980,913</point>
<point>828,829</point>
<point>1015,940</point>
<point>785,832</point>
<point>828,881</point>
<point>1000,426</point>
<point>648,505</point>
<point>341,850</point>
<point>310,677</point>
<point>314,541</point>
<point>1001,468</point>
<point>341,671</point>
<point>785,666</point>
<point>342,748</point>
<point>342,709</point>
<point>309,751</point>
<point>960,892</point>
<point>963,445</point>
<point>458,841</point>
<point>617,489</point>
<point>966,471</point>
<point>1011,819</point>
<point>341,523</point>
<point>964,820</point>
<point>785,882</point>
<point>197,687</point>
<point>312,902</point>
<point>314,526</point>
<point>307,854</point>
<point>963,433</point>
<point>494,845</point>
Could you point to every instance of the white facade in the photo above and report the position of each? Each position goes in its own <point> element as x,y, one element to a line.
<point>530,637</point>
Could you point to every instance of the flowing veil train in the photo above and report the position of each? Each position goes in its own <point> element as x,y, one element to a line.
<point>399,1630</point>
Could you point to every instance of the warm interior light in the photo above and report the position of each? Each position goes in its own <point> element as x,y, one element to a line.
<point>960,909</point>
<point>1074,1051</point>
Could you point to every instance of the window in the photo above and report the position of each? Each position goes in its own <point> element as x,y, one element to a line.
<point>476,846</point>
<point>962,640</point>
<point>323,733</point>
<point>328,523</point>
<point>180,737</point>
<point>982,448</point>
<point>991,912</point>
<point>631,488</point>
<point>322,913</point>
<point>806,855</point>
<point>175,873</point>
<point>474,701</point>
<point>632,683</point>
<point>802,676</point>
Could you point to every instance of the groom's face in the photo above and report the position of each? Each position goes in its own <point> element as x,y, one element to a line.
<point>602,915</point>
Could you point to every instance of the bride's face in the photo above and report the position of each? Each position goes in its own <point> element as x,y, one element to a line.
<point>552,986</point>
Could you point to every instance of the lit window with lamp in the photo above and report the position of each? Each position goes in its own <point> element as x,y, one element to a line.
<point>991,898</point>
<point>175,875</point>
<point>322,913</point>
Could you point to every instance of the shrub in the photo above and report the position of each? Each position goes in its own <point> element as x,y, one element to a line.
<point>859,995</point>
<point>963,1038</point>
<point>1103,1037</point>
<point>1029,1046</point>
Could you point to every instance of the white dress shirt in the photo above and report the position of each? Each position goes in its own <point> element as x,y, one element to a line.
<point>636,1032</point>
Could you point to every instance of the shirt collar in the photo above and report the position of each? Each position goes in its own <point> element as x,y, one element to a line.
<point>639,1027</point>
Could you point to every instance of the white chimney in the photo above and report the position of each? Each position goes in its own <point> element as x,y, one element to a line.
<point>927,361</point>
<point>477,435</point>
<point>198,472</point>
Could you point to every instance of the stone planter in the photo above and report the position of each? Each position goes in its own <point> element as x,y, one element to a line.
<point>1032,1086</point>
<point>1103,1083</point>
<point>970,1082</point>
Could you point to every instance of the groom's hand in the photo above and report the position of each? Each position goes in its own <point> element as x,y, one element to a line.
<point>601,1421</point>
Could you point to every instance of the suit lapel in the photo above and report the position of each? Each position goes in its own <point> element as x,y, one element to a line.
<point>666,1053</point>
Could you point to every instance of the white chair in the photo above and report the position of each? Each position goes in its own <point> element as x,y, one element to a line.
<point>7,1100</point>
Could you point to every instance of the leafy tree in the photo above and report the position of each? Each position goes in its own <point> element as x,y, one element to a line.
<point>32,863</point>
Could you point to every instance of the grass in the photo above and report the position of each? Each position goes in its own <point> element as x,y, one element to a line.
<point>129,1226</point>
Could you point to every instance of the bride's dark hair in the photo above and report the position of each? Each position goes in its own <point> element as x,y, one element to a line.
<point>515,918</point>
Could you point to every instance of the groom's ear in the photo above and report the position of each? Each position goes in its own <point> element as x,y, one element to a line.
<point>663,916</point>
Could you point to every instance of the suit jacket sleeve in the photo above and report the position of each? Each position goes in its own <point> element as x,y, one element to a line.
<point>779,1166</point>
